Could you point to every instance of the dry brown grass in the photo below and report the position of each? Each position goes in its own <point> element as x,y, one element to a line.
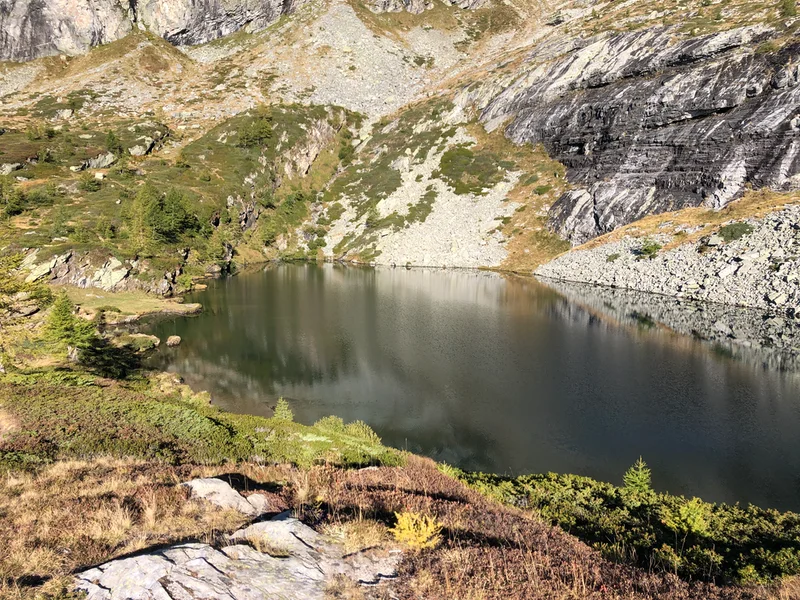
<point>75,513</point>
<point>530,242</point>
<point>358,534</point>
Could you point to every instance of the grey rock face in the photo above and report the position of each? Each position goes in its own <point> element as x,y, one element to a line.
<point>187,22</point>
<point>646,124</point>
<point>31,29</point>
<point>413,6</point>
<point>304,563</point>
<point>419,6</point>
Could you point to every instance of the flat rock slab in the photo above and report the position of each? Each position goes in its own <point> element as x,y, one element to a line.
<point>304,564</point>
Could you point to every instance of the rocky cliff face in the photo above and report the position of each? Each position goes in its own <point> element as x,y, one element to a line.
<point>647,124</point>
<point>188,22</point>
<point>31,29</point>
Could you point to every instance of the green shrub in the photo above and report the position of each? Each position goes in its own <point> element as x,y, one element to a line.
<point>468,172</point>
<point>788,8</point>
<point>333,424</point>
<point>256,131</point>
<point>695,539</point>
<point>735,231</point>
<point>649,249</point>
<point>12,199</point>
<point>113,144</point>
<point>361,430</point>
<point>89,183</point>
<point>612,257</point>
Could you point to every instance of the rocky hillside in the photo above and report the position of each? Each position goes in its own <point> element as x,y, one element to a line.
<point>478,133</point>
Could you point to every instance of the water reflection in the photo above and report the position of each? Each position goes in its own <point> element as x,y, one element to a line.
<point>505,374</point>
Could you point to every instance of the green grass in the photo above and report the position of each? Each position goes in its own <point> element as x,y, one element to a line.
<point>64,413</point>
<point>468,172</point>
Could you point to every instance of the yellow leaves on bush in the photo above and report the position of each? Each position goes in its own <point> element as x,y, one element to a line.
<point>417,531</point>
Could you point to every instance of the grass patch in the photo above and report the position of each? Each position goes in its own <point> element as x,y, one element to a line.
<point>467,172</point>
<point>735,231</point>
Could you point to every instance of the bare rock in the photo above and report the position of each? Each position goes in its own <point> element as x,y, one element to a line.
<point>219,492</point>
<point>174,340</point>
<point>301,566</point>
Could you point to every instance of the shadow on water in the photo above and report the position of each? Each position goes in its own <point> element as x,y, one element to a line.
<point>507,375</point>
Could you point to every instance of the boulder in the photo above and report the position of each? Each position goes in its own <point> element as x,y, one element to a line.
<point>110,274</point>
<point>174,340</point>
<point>220,493</point>
<point>8,168</point>
<point>102,161</point>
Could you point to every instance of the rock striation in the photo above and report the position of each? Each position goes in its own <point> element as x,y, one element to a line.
<point>31,29</point>
<point>189,22</point>
<point>649,121</point>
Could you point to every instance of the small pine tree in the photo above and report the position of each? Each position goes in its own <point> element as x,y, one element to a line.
<point>65,327</point>
<point>113,144</point>
<point>637,478</point>
<point>282,411</point>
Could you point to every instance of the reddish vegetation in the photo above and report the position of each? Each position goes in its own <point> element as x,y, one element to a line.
<point>491,551</point>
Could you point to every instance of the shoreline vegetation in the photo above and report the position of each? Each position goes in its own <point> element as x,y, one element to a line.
<point>92,448</point>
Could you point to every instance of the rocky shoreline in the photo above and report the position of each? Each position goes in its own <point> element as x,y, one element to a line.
<point>759,270</point>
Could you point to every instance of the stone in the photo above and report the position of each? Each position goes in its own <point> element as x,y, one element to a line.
<point>714,240</point>
<point>727,271</point>
<point>8,168</point>
<point>173,341</point>
<point>40,271</point>
<point>102,161</point>
<point>777,297</point>
<point>219,492</point>
<point>110,274</point>
<point>260,502</point>
<point>307,563</point>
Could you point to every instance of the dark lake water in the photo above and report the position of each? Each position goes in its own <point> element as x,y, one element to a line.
<point>506,375</point>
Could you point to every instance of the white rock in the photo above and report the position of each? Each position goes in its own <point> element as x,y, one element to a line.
<point>220,493</point>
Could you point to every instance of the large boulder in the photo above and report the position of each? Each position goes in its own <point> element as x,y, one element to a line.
<point>223,495</point>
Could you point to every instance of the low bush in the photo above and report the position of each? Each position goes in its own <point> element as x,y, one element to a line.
<point>648,250</point>
<point>633,524</point>
<point>735,231</point>
<point>416,531</point>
